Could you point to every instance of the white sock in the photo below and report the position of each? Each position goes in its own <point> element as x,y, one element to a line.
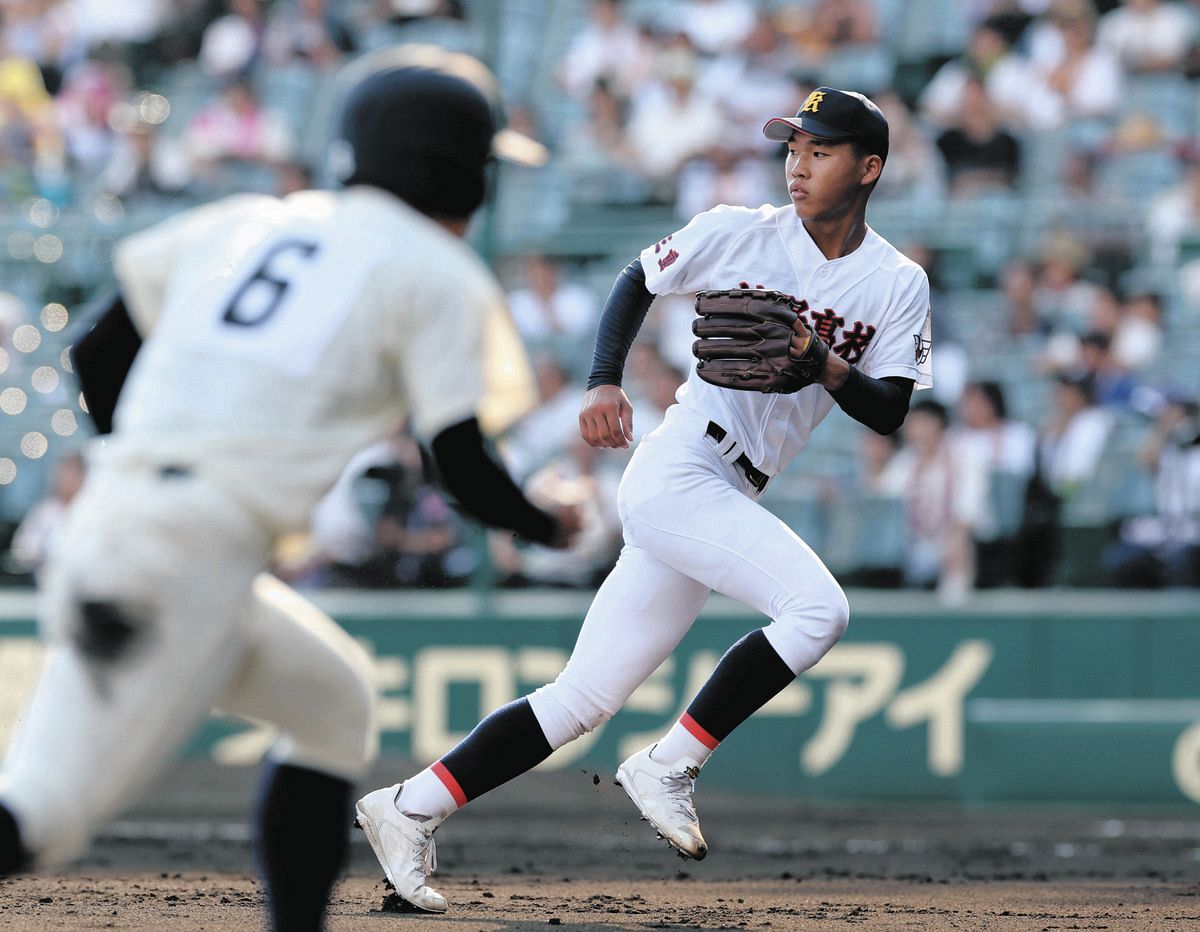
<point>425,796</point>
<point>680,744</point>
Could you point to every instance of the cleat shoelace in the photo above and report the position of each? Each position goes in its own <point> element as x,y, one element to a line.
<point>680,786</point>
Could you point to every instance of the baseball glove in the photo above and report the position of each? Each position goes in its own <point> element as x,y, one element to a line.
<point>755,341</point>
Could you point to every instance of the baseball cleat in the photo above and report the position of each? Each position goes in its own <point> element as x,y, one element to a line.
<point>404,847</point>
<point>663,795</point>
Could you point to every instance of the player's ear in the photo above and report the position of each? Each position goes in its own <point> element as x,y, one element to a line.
<point>872,166</point>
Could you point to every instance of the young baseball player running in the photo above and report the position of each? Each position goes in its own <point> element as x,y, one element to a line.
<point>800,308</point>
<point>280,337</point>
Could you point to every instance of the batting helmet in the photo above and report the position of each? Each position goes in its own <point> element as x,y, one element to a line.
<point>422,122</point>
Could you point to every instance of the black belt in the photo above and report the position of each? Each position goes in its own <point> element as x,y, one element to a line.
<point>757,478</point>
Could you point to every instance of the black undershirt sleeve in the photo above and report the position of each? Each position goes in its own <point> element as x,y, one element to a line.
<point>620,321</point>
<point>881,404</point>
<point>482,486</point>
<point>102,358</point>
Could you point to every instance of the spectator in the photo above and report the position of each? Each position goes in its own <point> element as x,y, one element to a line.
<point>915,170</point>
<point>672,122</point>
<point>1071,443</point>
<point>944,489</point>
<point>548,308</point>
<point>1174,215</point>
<point>1062,297</point>
<point>382,525</point>
<point>609,49</point>
<point>1112,384</point>
<point>36,535</point>
<point>714,25</point>
<point>305,31</point>
<point>544,433</point>
<point>726,175</point>
<point>90,93</point>
<point>232,43</point>
<point>1147,35</point>
<point>384,23</point>
<point>1005,75</point>
<point>1018,285</point>
<point>1079,80</point>
<point>597,155</point>
<point>1138,337</point>
<point>144,165</point>
<point>1007,449</point>
<point>44,32</point>
<point>237,128</point>
<point>980,155</point>
<point>1163,548</point>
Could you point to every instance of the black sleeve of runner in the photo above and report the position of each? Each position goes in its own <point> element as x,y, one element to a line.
<point>881,404</point>
<point>620,321</point>
<point>102,358</point>
<point>482,486</point>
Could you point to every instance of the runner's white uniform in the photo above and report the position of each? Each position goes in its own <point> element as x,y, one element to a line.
<point>689,514</point>
<point>281,337</point>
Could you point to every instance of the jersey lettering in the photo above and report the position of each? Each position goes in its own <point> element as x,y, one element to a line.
<point>854,342</point>
<point>667,259</point>
<point>825,324</point>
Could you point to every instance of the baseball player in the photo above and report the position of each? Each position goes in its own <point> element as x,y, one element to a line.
<point>280,336</point>
<point>800,308</point>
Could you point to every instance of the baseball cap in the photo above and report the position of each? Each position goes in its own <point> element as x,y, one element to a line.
<point>831,114</point>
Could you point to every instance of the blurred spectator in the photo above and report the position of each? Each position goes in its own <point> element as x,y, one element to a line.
<point>1006,448</point>
<point>294,177</point>
<point>610,49</point>
<point>597,154</point>
<point>726,175</point>
<point>1163,548</point>
<point>1174,216</point>
<point>548,307</point>
<point>1018,285</point>
<point>90,93</point>
<point>144,165</point>
<point>750,80</point>
<point>232,43</point>
<point>714,25</point>
<point>1078,80</point>
<point>672,122</point>
<point>1138,340</point>
<point>980,155</point>
<point>1071,443</point>
<point>382,525</point>
<point>305,31</point>
<point>121,21</point>
<point>1112,383</point>
<point>45,32</point>
<point>237,127</point>
<point>915,170</point>
<point>837,42</point>
<point>1147,35</point>
<point>36,535</point>
<point>1062,297</point>
<point>545,432</point>
<point>989,59</point>
<point>383,23</point>
<point>944,489</point>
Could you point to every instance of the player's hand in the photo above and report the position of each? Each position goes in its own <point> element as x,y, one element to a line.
<point>606,419</point>
<point>568,525</point>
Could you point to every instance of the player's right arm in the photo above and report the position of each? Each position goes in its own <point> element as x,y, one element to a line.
<point>606,419</point>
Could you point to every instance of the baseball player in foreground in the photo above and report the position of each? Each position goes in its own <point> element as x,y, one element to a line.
<point>799,308</point>
<point>280,337</point>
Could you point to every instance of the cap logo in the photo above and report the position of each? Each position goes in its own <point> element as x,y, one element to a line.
<point>813,103</point>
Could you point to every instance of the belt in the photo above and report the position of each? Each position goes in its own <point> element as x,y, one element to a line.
<point>757,478</point>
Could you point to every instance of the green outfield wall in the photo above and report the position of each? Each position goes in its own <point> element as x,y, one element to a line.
<point>1021,696</point>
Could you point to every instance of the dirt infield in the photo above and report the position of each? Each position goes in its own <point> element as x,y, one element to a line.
<point>230,902</point>
<point>565,850</point>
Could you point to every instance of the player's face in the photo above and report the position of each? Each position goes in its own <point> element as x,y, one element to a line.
<point>826,178</point>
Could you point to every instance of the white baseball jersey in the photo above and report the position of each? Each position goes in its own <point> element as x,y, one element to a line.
<point>871,306</point>
<point>285,335</point>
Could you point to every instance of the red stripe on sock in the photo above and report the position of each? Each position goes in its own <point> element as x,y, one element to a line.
<point>698,732</point>
<point>447,778</point>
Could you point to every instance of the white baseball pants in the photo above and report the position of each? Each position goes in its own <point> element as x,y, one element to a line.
<point>691,526</point>
<point>181,562</point>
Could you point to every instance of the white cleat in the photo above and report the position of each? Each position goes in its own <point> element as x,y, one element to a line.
<point>403,845</point>
<point>663,794</point>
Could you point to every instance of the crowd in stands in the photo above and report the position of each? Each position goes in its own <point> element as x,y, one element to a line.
<point>1044,169</point>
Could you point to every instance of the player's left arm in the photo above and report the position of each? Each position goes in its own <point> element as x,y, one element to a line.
<point>881,404</point>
